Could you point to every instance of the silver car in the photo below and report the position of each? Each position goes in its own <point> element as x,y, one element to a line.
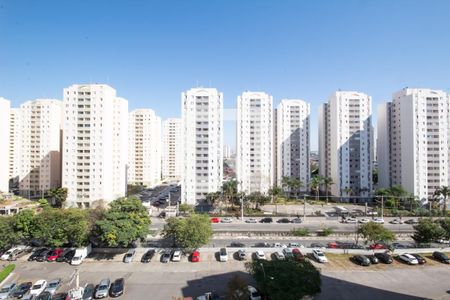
<point>129,256</point>
<point>7,290</point>
<point>53,285</point>
<point>103,288</point>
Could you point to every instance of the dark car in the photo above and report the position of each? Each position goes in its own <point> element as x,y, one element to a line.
<point>165,257</point>
<point>441,257</point>
<point>22,289</point>
<point>411,221</point>
<point>361,260</point>
<point>36,254</point>
<point>88,293</point>
<point>62,296</point>
<point>62,258</point>
<point>284,220</point>
<point>44,296</point>
<point>147,257</point>
<point>237,245</point>
<point>43,255</point>
<point>317,245</point>
<point>262,245</point>
<point>266,220</point>
<point>419,258</point>
<point>66,257</point>
<point>117,287</point>
<point>384,258</point>
<point>373,259</point>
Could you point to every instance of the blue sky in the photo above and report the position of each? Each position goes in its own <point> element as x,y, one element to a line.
<point>151,51</point>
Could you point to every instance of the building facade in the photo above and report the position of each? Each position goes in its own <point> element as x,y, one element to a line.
<point>4,139</point>
<point>40,147</point>
<point>14,147</point>
<point>95,144</point>
<point>345,143</point>
<point>144,148</point>
<point>293,134</point>
<point>202,115</point>
<point>173,149</point>
<point>254,144</point>
<point>413,141</point>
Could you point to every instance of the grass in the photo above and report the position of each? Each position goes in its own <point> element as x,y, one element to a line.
<point>299,232</point>
<point>6,271</point>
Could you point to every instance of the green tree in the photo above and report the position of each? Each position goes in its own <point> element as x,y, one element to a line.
<point>237,289</point>
<point>285,279</point>
<point>275,192</point>
<point>23,224</point>
<point>185,208</point>
<point>314,184</point>
<point>443,191</point>
<point>296,185</point>
<point>43,203</point>
<point>8,237</point>
<point>286,185</point>
<point>373,232</point>
<point>445,224</point>
<point>58,196</point>
<point>327,182</point>
<point>126,221</point>
<point>229,191</point>
<point>428,231</point>
<point>189,233</point>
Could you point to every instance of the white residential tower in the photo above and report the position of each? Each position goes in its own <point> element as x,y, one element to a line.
<point>4,140</point>
<point>172,162</point>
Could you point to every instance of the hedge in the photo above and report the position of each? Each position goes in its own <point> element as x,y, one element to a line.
<point>6,271</point>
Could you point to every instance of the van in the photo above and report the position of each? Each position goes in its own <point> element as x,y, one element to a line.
<point>81,254</point>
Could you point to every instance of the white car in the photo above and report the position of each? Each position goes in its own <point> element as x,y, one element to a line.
<point>293,245</point>
<point>279,255</point>
<point>6,255</point>
<point>226,220</point>
<point>251,220</point>
<point>176,256</point>
<point>223,255</point>
<point>363,221</point>
<point>378,220</point>
<point>351,221</point>
<point>372,213</point>
<point>254,294</point>
<point>319,256</point>
<point>276,245</point>
<point>396,221</point>
<point>409,259</point>
<point>260,254</point>
<point>38,287</point>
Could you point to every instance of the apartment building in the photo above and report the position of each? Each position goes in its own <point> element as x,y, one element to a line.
<point>40,147</point>
<point>202,115</point>
<point>172,168</point>
<point>413,141</point>
<point>345,143</point>
<point>254,144</point>
<point>293,133</point>
<point>144,148</point>
<point>95,144</point>
<point>14,147</point>
<point>4,139</point>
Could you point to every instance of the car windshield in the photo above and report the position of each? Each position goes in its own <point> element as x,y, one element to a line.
<point>53,284</point>
<point>4,290</point>
<point>320,253</point>
<point>256,294</point>
<point>103,287</point>
<point>129,255</point>
<point>37,286</point>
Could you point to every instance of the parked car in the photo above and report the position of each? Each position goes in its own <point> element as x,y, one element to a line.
<point>38,287</point>
<point>223,255</point>
<point>260,255</point>
<point>373,259</point>
<point>283,220</point>
<point>80,254</point>
<point>176,255</point>
<point>22,289</point>
<point>53,285</point>
<point>377,246</point>
<point>237,245</point>
<point>65,255</point>
<point>215,220</point>
<point>31,297</point>
<point>266,220</point>
<point>226,220</point>
<point>398,246</point>
<point>129,256</point>
<point>396,221</point>
<point>378,220</point>
<point>408,258</point>
<point>63,296</point>
<point>298,255</point>
<point>412,221</point>
<point>54,254</point>
<point>36,253</point>
<point>165,257</point>
<point>7,290</point>
<point>251,220</point>
<point>44,296</point>
<point>350,221</point>
<point>296,220</point>
<point>443,241</point>
<point>16,253</point>
<point>88,293</point>
<point>117,287</point>
<point>441,257</point>
<point>253,293</point>
<point>262,245</point>
<point>319,256</point>
<point>279,255</point>
<point>288,253</point>
<point>147,257</point>
<point>361,260</point>
<point>384,258</point>
<point>195,256</point>
<point>103,288</point>
<point>294,244</point>
<point>419,258</point>
<point>317,245</point>
<point>241,255</point>
<point>43,255</point>
<point>6,255</point>
<point>363,221</point>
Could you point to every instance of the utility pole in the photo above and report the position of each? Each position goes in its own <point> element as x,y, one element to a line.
<point>382,206</point>
<point>304,208</point>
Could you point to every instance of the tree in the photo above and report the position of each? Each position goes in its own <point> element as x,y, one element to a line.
<point>126,221</point>
<point>258,199</point>
<point>43,203</point>
<point>285,279</point>
<point>286,185</point>
<point>275,192</point>
<point>8,237</point>
<point>315,183</point>
<point>373,232</point>
<point>445,224</point>
<point>296,185</point>
<point>58,196</point>
<point>23,224</point>
<point>237,289</point>
<point>189,233</point>
<point>427,231</point>
<point>443,191</point>
<point>230,190</point>
<point>185,208</point>
<point>327,182</point>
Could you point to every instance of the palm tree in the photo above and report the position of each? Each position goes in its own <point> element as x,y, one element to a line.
<point>348,191</point>
<point>274,192</point>
<point>58,195</point>
<point>443,191</point>
<point>286,185</point>
<point>229,191</point>
<point>296,185</point>
<point>327,182</point>
<point>315,183</point>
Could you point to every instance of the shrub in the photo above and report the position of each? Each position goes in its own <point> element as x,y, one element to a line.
<point>300,232</point>
<point>325,232</point>
<point>6,271</point>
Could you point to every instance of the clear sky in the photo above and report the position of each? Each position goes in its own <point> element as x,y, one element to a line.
<point>151,51</point>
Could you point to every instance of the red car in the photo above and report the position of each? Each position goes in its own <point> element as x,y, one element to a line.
<point>377,246</point>
<point>298,255</point>
<point>54,254</point>
<point>215,220</point>
<point>332,245</point>
<point>195,257</point>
